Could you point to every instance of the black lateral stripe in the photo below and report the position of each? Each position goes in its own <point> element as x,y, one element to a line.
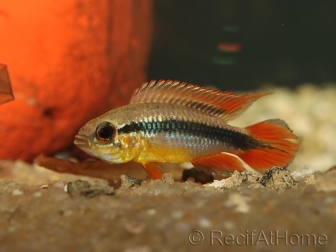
<point>204,106</point>
<point>229,137</point>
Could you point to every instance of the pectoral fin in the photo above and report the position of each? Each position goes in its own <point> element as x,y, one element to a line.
<point>153,170</point>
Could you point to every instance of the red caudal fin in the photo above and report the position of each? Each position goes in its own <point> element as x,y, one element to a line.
<point>276,145</point>
<point>271,146</point>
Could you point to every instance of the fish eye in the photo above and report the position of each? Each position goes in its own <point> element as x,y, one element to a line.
<point>105,131</point>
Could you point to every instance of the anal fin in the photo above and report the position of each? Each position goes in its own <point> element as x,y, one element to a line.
<point>222,162</point>
<point>153,170</point>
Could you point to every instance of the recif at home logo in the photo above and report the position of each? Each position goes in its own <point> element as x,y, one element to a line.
<point>255,238</point>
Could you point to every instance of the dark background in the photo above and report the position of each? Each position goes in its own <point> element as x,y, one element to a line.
<point>284,42</point>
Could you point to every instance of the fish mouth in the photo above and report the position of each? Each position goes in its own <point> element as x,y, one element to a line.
<point>81,141</point>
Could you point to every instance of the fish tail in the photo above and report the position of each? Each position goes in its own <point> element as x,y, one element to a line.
<point>275,148</point>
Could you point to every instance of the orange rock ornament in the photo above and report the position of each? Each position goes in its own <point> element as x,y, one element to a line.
<point>69,62</point>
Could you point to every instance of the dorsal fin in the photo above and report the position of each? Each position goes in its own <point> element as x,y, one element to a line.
<point>226,105</point>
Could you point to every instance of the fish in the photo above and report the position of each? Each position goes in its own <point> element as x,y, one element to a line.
<point>170,121</point>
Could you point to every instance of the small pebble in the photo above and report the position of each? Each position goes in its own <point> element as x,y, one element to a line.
<point>87,189</point>
<point>151,211</point>
<point>128,182</point>
<point>240,202</point>
<point>37,194</point>
<point>302,173</point>
<point>168,178</point>
<point>177,214</point>
<point>17,192</point>
<point>204,223</point>
<point>278,177</point>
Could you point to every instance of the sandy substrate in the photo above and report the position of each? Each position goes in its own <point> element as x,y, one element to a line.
<point>294,209</point>
<point>171,216</point>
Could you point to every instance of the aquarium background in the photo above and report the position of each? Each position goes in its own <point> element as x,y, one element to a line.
<point>71,61</point>
<point>242,45</point>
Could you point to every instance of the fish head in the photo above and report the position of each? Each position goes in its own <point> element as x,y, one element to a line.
<point>99,138</point>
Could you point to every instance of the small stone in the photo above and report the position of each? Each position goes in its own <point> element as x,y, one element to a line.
<point>278,177</point>
<point>128,182</point>
<point>240,202</point>
<point>9,186</point>
<point>204,222</point>
<point>310,179</point>
<point>37,194</point>
<point>87,189</point>
<point>151,211</point>
<point>177,214</point>
<point>58,184</point>
<point>237,179</point>
<point>44,186</point>
<point>68,213</point>
<point>168,178</point>
<point>300,174</point>
<point>16,192</point>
